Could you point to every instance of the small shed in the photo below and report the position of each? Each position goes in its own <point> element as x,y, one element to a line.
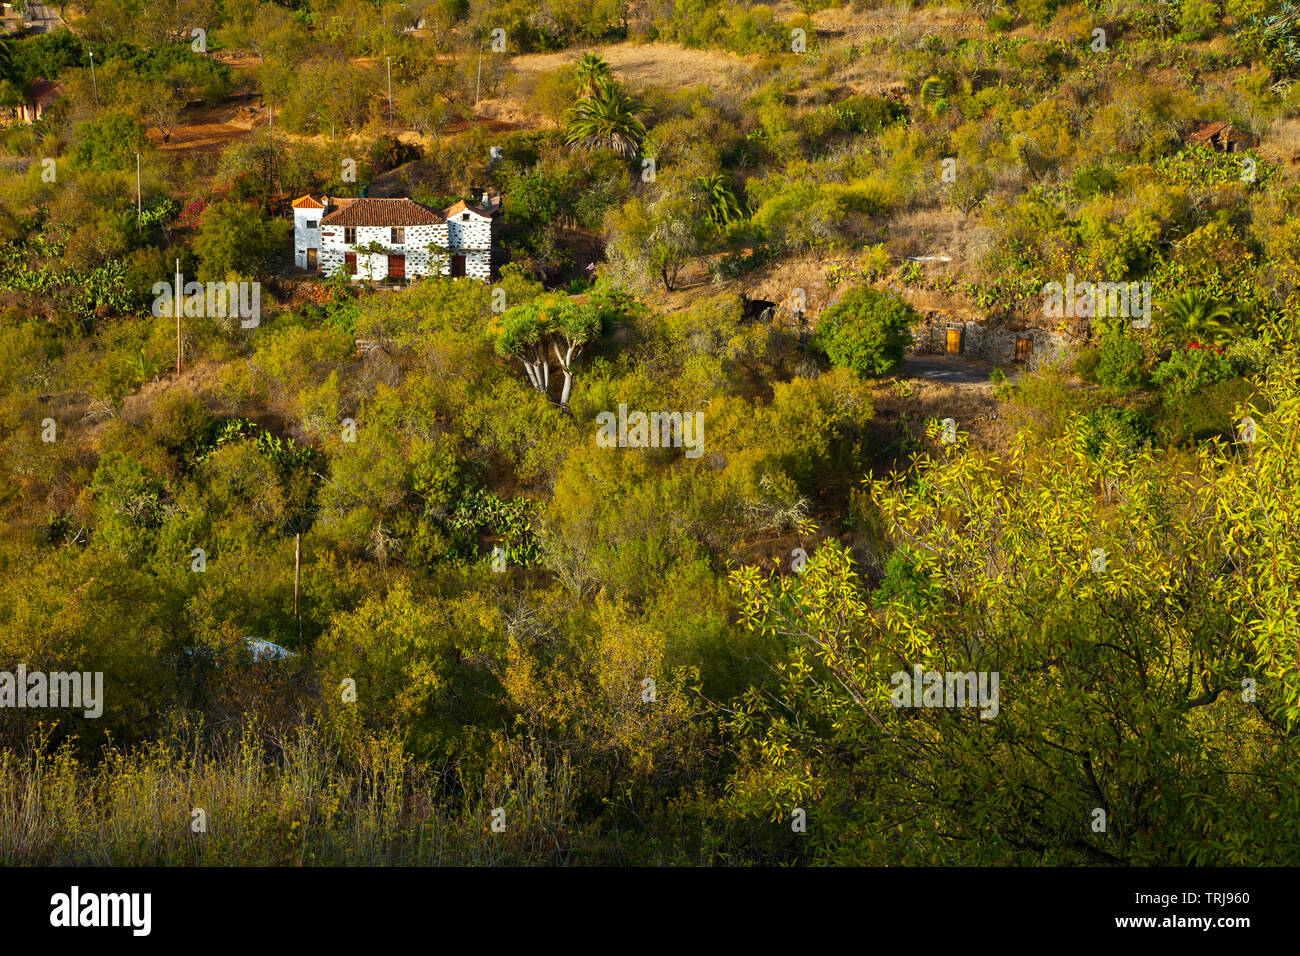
<point>1223,137</point>
<point>39,96</point>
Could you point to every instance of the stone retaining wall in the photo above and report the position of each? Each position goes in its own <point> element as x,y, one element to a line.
<point>995,344</point>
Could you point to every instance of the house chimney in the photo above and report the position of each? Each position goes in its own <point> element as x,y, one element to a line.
<point>487,200</point>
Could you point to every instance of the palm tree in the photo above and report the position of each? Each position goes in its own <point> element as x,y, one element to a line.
<point>606,120</point>
<point>723,207</point>
<point>1195,317</point>
<point>591,70</point>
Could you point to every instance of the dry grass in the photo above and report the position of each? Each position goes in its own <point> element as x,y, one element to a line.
<point>890,19</point>
<point>1281,145</point>
<point>296,801</point>
<point>651,64</point>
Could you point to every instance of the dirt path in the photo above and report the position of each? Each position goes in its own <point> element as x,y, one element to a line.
<point>43,19</point>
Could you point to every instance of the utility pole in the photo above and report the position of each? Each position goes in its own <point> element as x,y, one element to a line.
<point>390,90</point>
<point>479,79</point>
<point>139,203</point>
<point>93,80</point>
<point>297,565</point>
<point>177,300</point>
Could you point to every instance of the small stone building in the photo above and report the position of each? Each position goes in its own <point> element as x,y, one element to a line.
<point>1223,137</point>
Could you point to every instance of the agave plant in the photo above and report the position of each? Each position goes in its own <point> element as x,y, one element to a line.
<point>606,120</point>
<point>1195,317</point>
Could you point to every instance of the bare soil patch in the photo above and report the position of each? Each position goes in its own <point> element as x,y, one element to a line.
<point>212,127</point>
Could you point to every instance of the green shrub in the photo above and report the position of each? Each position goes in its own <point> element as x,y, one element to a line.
<point>1110,432</point>
<point>389,152</point>
<point>1203,415</point>
<point>1085,363</point>
<point>903,582</point>
<point>1198,18</point>
<point>1190,369</point>
<point>1249,357</point>
<point>866,331</point>
<point>1092,181</point>
<point>1002,22</point>
<point>1119,361</point>
<point>109,142</point>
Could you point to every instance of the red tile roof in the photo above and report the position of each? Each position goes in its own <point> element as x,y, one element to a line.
<point>382,212</point>
<point>462,206</point>
<point>308,202</point>
<point>41,91</point>
<point>1205,132</point>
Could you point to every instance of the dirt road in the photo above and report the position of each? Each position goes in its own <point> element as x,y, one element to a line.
<point>43,19</point>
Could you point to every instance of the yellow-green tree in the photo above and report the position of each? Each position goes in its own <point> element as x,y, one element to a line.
<point>1140,617</point>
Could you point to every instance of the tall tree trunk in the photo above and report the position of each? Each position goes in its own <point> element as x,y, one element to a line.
<point>566,362</point>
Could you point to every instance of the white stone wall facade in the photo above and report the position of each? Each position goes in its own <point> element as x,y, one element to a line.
<point>470,235</point>
<point>466,234</point>
<point>420,261</point>
<point>305,234</point>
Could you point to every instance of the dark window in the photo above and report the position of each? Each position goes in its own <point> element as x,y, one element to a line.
<point>311,224</point>
<point>350,235</point>
<point>465,216</point>
<point>397,235</point>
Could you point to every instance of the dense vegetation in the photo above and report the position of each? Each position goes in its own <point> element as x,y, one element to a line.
<point>642,655</point>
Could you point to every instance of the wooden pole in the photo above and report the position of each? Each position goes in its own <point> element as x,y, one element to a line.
<point>479,78</point>
<point>179,289</point>
<point>297,570</point>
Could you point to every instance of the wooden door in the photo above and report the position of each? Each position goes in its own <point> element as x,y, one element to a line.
<point>311,259</point>
<point>1024,348</point>
<point>954,341</point>
<point>396,267</point>
<point>457,266</point>
<point>350,263</point>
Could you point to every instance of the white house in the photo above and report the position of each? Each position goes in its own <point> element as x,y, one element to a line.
<point>393,238</point>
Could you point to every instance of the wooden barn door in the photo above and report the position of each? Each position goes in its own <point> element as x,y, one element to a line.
<point>396,267</point>
<point>954,341</point>
<point>350,263</point>
<point>311,259</point>
<point>457,266</point>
